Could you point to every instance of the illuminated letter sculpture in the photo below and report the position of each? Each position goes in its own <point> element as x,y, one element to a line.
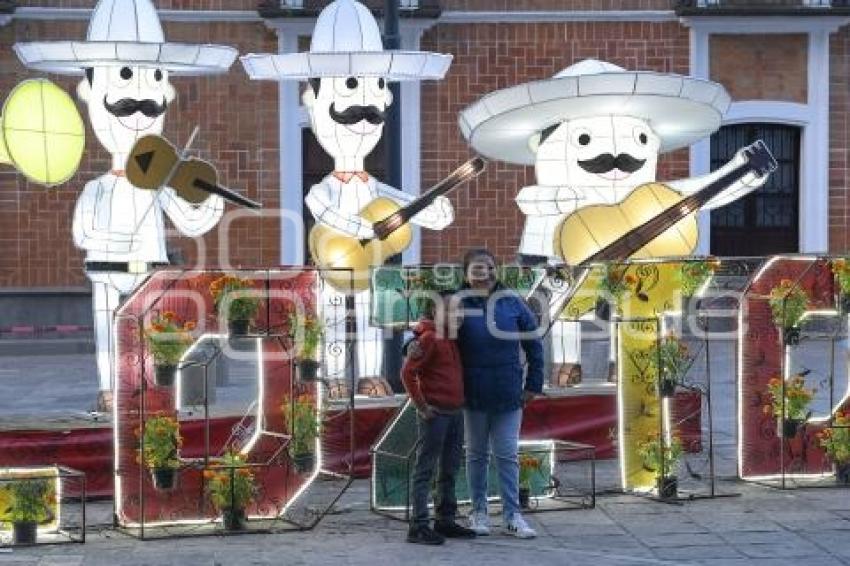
<point>126,62</point>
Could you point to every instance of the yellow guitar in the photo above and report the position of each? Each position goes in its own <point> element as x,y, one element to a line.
<point>653,221</point>
<point>333,250</point>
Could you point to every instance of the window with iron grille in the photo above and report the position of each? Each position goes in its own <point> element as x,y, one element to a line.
<point>767,220</point>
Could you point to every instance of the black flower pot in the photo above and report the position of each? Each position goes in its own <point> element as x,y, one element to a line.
<point>164,375</point>
<point>24,532</point>
<point>842,473</point>
<point>238,327</point>
<point>524,497</point>
<point>233,519</point>
<point>163,478</point>
<point>304,463</point>
<point>788,428</point>
<point>666,388</point>
<point>668,488</point>
<point>791,336</point>
<point>308,370</point>
<point>602,309</point>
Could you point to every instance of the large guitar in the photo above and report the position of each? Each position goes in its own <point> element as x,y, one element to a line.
<point>634,229</point>
<point>653,221</point>
<point>332,249</point>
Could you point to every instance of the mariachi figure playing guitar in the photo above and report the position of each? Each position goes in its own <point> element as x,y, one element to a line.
<point>594,132</point>
<point>346,96</point>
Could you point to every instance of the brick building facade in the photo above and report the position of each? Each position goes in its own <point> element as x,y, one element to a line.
<point>784,63</point>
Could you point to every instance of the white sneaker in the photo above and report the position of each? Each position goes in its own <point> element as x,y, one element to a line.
<point>479,522</point>
<point>516,526</point>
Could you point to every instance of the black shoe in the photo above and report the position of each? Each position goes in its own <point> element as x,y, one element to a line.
<point>424,535</point>
<point>450,529</point>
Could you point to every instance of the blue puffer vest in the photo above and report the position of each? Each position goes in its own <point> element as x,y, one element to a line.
<point>492,365</point>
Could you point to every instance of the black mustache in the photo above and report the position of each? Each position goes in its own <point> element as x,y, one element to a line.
<point>607,162</point>
<point>129,106</point>
<point>354,114</point>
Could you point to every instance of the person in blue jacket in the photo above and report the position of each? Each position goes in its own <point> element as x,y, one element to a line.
<point>497,325</point>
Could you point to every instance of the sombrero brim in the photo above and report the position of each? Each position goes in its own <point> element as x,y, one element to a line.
<point>392,65</point>
<point>679,109</point>
<point>71,57</point>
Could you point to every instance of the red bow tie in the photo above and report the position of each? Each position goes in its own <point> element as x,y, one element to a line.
<point>347,176</point>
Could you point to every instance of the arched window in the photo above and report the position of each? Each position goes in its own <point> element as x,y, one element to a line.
<point>766,221</point>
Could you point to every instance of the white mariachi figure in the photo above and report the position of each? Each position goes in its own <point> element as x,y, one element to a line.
<point>593,133</point>
<point>346,97</point>
<point>126,63</point>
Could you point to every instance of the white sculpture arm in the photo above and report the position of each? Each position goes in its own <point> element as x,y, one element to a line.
<point>92,226</point>
<point>191,220</point>
<point>325,211</point>
<point>736,190</point>
<point>435,216</point>
<point>547,200</point>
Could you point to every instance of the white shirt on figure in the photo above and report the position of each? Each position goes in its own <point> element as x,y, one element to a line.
<point>115,221</point>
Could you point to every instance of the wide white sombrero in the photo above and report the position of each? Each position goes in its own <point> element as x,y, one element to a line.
<point>506,124</point>
<point>347,42</point>
<point>125,32</point>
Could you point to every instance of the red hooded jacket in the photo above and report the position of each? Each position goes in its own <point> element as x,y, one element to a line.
<point>432,371</point>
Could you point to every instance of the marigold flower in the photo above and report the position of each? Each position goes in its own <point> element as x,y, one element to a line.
<point>189,326</point>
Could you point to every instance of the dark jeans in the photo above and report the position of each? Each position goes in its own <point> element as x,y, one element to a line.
<point>440,440</point>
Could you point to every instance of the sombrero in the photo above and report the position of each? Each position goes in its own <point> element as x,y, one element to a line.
<point>125,32</point>
<point>346,42</point>
<point>506,124</point>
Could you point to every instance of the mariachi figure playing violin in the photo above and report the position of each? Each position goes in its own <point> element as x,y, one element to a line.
<point>126,64</point>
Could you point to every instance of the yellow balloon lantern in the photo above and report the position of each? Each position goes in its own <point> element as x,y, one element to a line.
<point>41,132</point>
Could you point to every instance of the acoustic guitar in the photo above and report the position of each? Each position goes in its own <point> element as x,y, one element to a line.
<point>653,221</point>
<point>333,250</point>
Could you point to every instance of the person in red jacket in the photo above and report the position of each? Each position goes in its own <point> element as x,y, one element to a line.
<point>433,377</point>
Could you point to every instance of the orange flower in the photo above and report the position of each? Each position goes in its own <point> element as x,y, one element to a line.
<point>158,327</point>
<point>169,315</point>
<point>630,279</point>
<point>209,474</point>
<point>189,326</point>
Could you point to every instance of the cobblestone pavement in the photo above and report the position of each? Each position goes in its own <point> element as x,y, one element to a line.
<point>763,526</point>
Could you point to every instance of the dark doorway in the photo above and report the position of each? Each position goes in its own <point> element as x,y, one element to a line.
<point>317,165</point>
<point>767,221</point>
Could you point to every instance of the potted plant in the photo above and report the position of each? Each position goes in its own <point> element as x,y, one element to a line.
<point>788,302</point>
<point>240,298</point>
<point>529,466</point>
<point>161,442</point>
<point>306,332</point>
<point>302,423</point>
<point>836,443</point>
<point>694,274</point>
<point>670,360</point>
<point>230,486</point>
<point>841,272</point>
<point>168,340</point>
<point>30,502</point>
<point>662,459</point>
<point>615,282</point>
<point>789,403</point>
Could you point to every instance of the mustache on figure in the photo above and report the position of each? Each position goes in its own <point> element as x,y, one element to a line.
<point>129,106</point>
<point>354,114</point>
<point>607,162</point>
